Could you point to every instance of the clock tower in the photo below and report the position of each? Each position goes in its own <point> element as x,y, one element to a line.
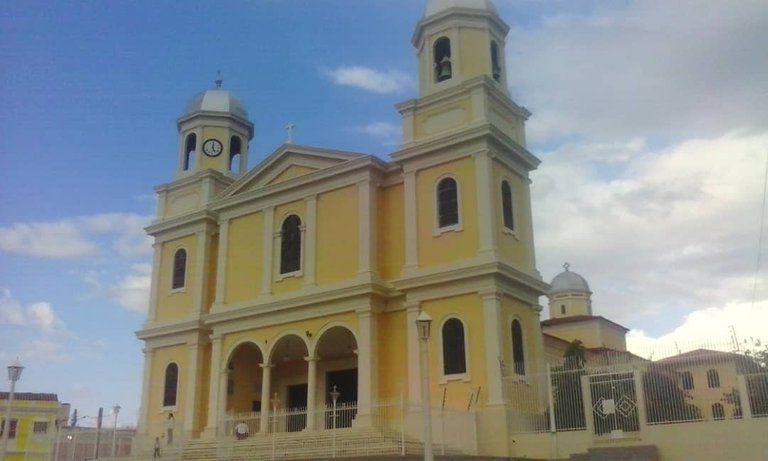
<point>214,131</point>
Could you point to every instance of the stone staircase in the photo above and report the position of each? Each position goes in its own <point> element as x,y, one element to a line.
<point>634,453</point>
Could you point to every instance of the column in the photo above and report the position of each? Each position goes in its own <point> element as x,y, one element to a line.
<point>191,423</point>
<point>366,207</point>
<point>746,407</point>
<point>221,263</point>
<point>530,241</point>
<point>200,285</point>
<point>266,406</point>
<point>214,385</point>
<point>493,346</point>
<point>143,425</point>
<point>310,235</point>
<point>367,363</point>
<point>311,391</point>
<point>486,211</point>
<point>414,391</point>
<point>268,239</point>
<point>642,416</point>
<point>411,230</point>
<point>155,284</point>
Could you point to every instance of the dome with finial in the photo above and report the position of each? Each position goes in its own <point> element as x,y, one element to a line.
<point>568,282</point>
<point>216,100</point>
<point>438,6</point>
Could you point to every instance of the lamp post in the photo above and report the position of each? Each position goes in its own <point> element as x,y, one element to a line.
<point>115,410</point>
<point>423,323</point>
<point>334,397</point>
<point>14,373</point>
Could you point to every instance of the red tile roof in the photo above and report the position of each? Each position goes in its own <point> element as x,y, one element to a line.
<point>580,318</point>
<point>31,396</point>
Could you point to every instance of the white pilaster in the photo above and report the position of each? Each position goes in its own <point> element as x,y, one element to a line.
<point>266,274</point>
<point>266,386</point>
<point>200,287</point>
<point>311,241</point>
<point>411,230</point>
<point>493,346</point>
<point>366,207</point>
<point>155,286</point>
<point>214,386</point>
<point>221,263</point>
<point>143,425</point>
<point>367,363</point>
<point>528,216</point>
<point>486,211</point>
<point>414,370</point>
<point>191,422</point>
<point>311,391</point>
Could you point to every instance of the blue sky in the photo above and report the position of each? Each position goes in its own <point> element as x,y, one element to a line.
<point>649,118</point>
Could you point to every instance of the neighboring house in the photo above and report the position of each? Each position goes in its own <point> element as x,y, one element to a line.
<point>34,421</point>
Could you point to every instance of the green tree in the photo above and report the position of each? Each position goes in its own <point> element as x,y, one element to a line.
<point>566,385</point>
<point>665,401</point>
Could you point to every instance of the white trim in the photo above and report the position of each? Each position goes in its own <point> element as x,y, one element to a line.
<point>222,260</point>
<point>267,251</point>
<point>307,262</point>
<point>467,375</point>
<point>459,226</point>
<point>411,222</point>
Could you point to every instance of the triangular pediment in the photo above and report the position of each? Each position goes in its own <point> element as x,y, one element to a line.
<point>288,162</point>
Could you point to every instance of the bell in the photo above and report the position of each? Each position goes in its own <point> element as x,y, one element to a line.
<point>497,73</point>
<point>444,71</point>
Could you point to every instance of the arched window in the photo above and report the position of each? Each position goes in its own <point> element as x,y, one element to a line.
<point>447,203</point>
<point>179,269</point>
<point>171,385</point>
<point>290,245</point>
<point>506,205</point>
<point>442,57</point>
<point>518,355</point>
<point>454,353</point>
<point>687,380</point>
<point>495,63</point>
<point>190,146</point>
<point>718,412</point>
<point>713,378</point>
<point>235,147</point>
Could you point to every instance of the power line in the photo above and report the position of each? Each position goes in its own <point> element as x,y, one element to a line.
<point>762,229</point>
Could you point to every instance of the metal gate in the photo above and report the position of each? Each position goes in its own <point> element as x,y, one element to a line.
<point>614,403</point>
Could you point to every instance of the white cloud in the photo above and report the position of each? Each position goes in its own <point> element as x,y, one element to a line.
<point>382,130</point>
<point>79,237</point>
<point>39,316</point>
<point>132,291</point>
<point>621,69</point>
<point>365,78</point>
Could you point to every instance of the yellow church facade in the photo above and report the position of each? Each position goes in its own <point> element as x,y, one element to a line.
<point>275,286</point>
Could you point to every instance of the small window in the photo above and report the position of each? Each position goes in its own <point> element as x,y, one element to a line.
<point>718,412</point>
<point>40,427</point>
<point>12,431</point>
<point>687,379</point>
<point>713,379</point>
<point>235,146</point>
<point>454,352</point>
<point>562,309</point>
<point>179,269</point>
<point>447,203</point>
<point>518,354</point>
<point>495,63</point>
<point>290,245</point>
<point>171,385</point>
<point>506,205</point>
<point>189,152</point>
<point>442,57</point>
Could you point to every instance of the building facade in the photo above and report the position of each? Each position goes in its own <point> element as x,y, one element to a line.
<point>307,272</point>
<point>35,419</point>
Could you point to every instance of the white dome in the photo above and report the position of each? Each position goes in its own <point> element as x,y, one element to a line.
<point>216,100</point>
<point>569,282</point>
<point>438,6</point>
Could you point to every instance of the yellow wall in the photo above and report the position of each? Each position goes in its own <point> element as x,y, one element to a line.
<point>26,413</point>
<point>468,308</point>
<point>338,235</point>
<point>291,172</point>
<point>221,161</point>
<point>289,284</point>
<point>475,48</point>
<point>703,396</point>
<point>245,258</point>
<point>513,248</point>
<point>176,305</point>
<point>529,322</point>
<point>161,358</point>
<point>391,232</point>
<point>393,355</point>
<point>435,119</point>
<point>452,246</point>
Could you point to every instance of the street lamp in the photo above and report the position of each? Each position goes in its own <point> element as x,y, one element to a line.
<point>423,322</point>
<point>334,397</point>
<point>115,410</point>
<point>14,373</point>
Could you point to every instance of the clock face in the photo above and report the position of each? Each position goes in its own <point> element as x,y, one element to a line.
<point>212,147</point>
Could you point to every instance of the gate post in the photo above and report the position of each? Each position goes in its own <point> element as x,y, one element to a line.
<point>586,397</point>
<point>642,417</point>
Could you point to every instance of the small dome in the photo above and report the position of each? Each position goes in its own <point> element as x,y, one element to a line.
<point>216,100</point>
<point>438,6</point>
<point>569,282</point>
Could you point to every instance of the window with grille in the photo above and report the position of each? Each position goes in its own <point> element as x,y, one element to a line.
<point>179,269</point>
<point>718,412</point>
<point>518,354</point>
<point>454,352</point>
<point>40,427</point>
<point>687,380</point>
<point>290,245</point>
<point>12,431</point>
<point>713,379</point>
<point>447,203</point>
<point>506,205</point>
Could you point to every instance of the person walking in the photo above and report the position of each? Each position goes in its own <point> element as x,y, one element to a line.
<point>156,453</point>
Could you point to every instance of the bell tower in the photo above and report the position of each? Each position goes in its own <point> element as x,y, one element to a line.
<point>214,131</point>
